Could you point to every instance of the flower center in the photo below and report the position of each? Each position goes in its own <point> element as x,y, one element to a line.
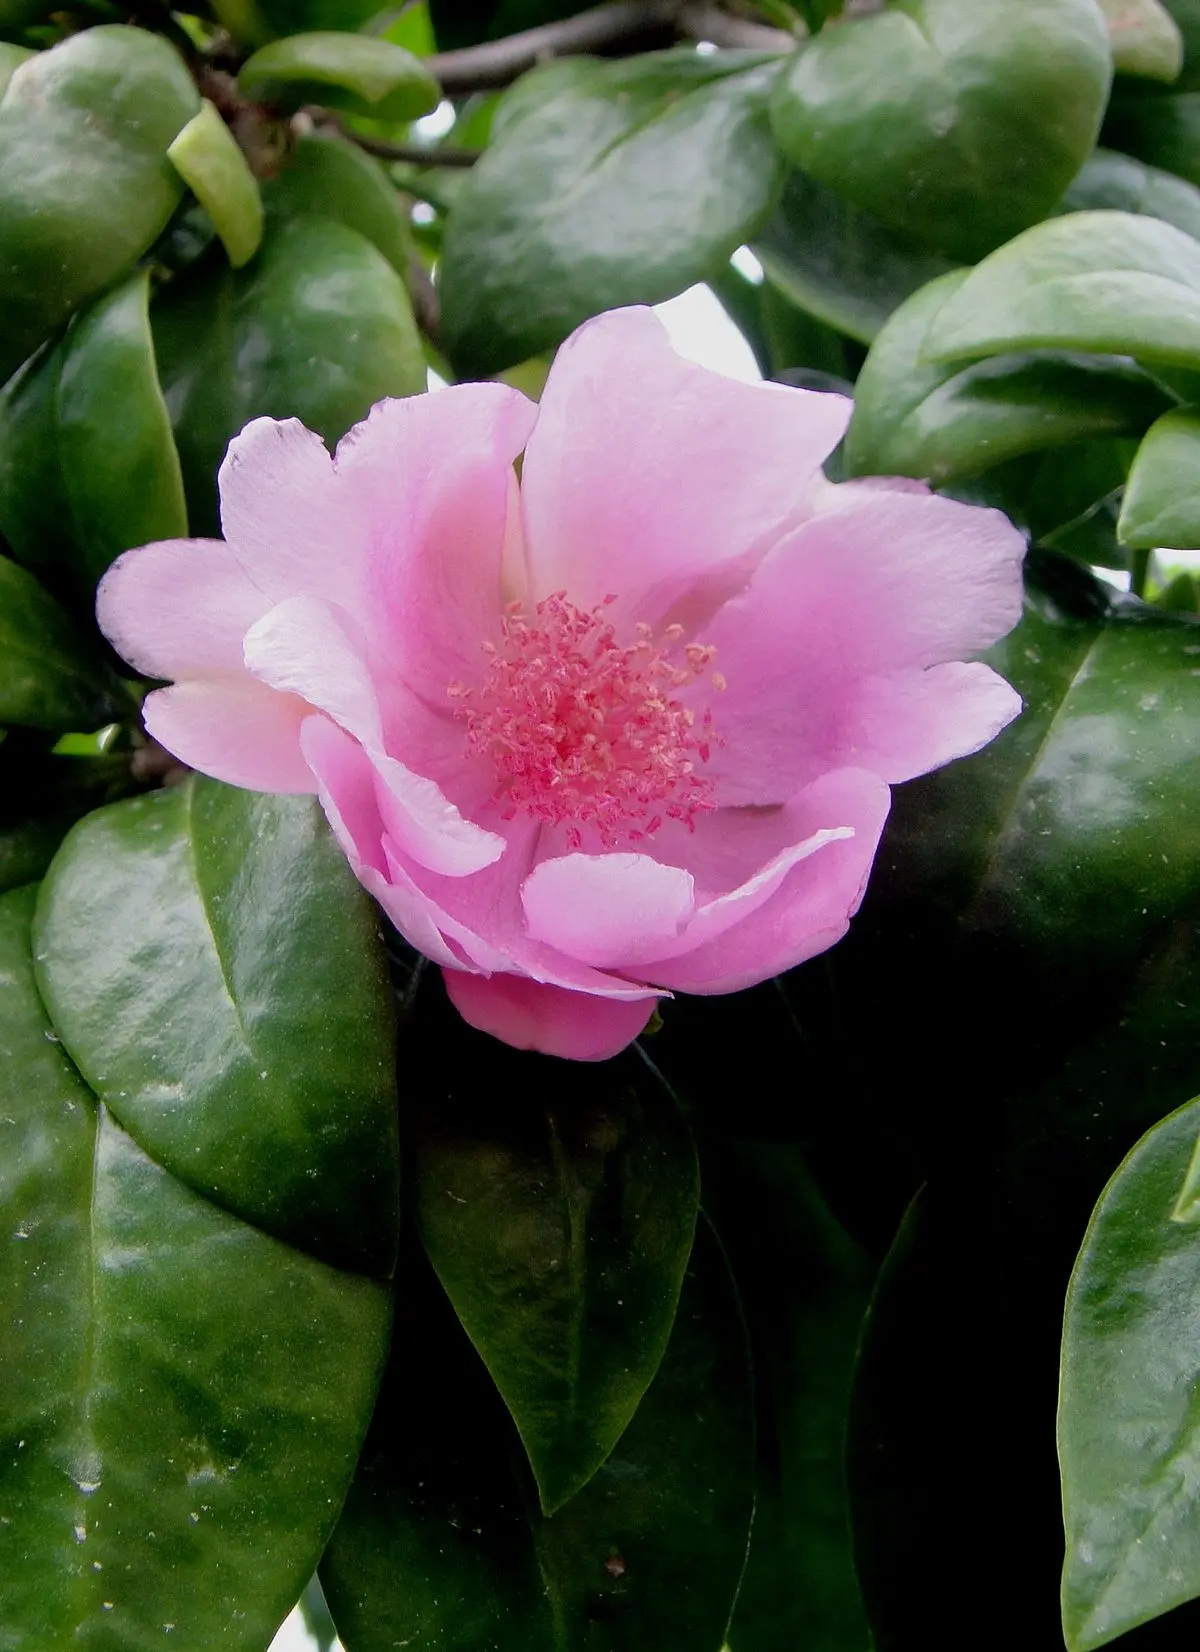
<point>586,732</point>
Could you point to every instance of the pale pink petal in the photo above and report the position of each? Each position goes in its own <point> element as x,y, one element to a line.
<point>288,520</point>
<point>303,647</point>
<point>878,582</point>
<point>811,908</point>
<point>906,724</point>
<point>233,729</point>
<point>532,1016</point>
<point>648,475</point>
<point>178,608</point>
<point>424,825</point>
<point>610,910</point>
<point>433,477</point>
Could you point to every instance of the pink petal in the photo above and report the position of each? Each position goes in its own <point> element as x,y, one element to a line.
<point>303,647</point>
<point>531,1016</point>
<point>233,729</point>
<point>424,824</point>
<point>880,581</point>
<point>433,476</point>
<point>647,475</point>
<point>913,721</point>
<point>811,908</point>
<point>610,910</point>
<point>178,608</point>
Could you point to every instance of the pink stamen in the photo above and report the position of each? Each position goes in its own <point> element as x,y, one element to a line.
<point>585,732</point>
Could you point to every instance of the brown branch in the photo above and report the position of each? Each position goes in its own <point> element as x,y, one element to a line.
<point>702,20</point>
<point>499,62</point>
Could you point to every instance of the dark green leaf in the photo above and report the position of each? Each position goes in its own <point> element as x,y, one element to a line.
<point>1121,184</point>
<point>214,972</point>
<point>941,422</point>
<point>1127,1427</point>
<point>441,1542</point>
<point>85,183</point>
<point>329,177</point>
<point>33,515</point>
<point>50,676</point>
<point>227,344</point>
<point>958,122</point>
<point>347,71</point>
<point>555,222</point>
<point>1162,129</point>
<point>1109,282</point>
<point>209,161</point>
<point>1162,496</point>
<point>834,261</point>
<point>257,21</point>
<point>560,1226</point>
<point>181,1398</point>
<point>1145,38</point>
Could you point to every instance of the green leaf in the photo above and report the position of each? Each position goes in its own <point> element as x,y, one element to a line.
<point>1109,282</point>
<point>941,422</point>
<point>837,263</point>
<point>256,21</point>
<point>957,122</point>
<point>182,1398</point>
<point>11,58</point>
<point>560,1227</point>
<point>50,676</point>
<point>1118,182</point>
<point>1160,128</point>
<point>1146,40</point>
<point>555,222</point>
<point>345,71</point>
<point>1162,495</point>
<point>317,327</point>
<point>800,1589</point>
<point>209,161</point>
<point>1127,1429</point>
<point>329,177</point>
<point>441,1541</point>
<point>85,183</point>
<point>214,972</point>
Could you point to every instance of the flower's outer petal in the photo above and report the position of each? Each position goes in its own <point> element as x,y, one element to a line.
<point>811,908</point>
<point>233,729</point>
<point>302,647</point>
<point>648,475</point>
<point>179,608</point>
<point>287,518</point>
<point>880,581</point>
<point>347,788</point>
<point>906,724</point>
<point>609,910</point>
<point>532,1016</point>
<point>424,825</point>
<point>433,475</point>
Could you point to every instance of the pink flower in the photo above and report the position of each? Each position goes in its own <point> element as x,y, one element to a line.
<point>624,729</point>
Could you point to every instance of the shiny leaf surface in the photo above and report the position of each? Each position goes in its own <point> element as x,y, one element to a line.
<point>1145,38</point>
<point>556,223</point>
<point>1162,495</point>
<point>958,122</point>
<point>329,177</point>
<point>347,71</point>
<point>1117,182</point>
<point>1128,1438</point>
<point>181,1397</point>
<point>209,161</point>
<point>441,1542</point>
<point>214,972</point>
<point>50,677</point>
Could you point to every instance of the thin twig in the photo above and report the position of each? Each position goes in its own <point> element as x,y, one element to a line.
<point>499,62</point>
<point>702,20</point>
<point>414,153</point>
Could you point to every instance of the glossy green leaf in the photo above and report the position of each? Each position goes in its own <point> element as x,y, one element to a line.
<point>1109,282</point>
<point>1127,1429</point>
<point>1074,500</point>
<point>33,516</point>
<point>182,1398</point>
<point>1160,128</point>
<point>329,177</point>
<point>209,161</point>
<point>50,675</point>
<point>1111,180</point>
<point>1146,40</point>
<point>257,21</point>
<point>85,183</point>
<point>1162,496</point>
<point>560,1227</point>
<point>800,1589</point>
<point>939,422</point>
<point>837,263</point>
<point>214,972</point>
<point>227,344</point>
<point>43,794</point>
<point>555,222</point>
<point>11,58</point>
<point>441,1542</point>
<point>957,122</point>
<point>346,71</point>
